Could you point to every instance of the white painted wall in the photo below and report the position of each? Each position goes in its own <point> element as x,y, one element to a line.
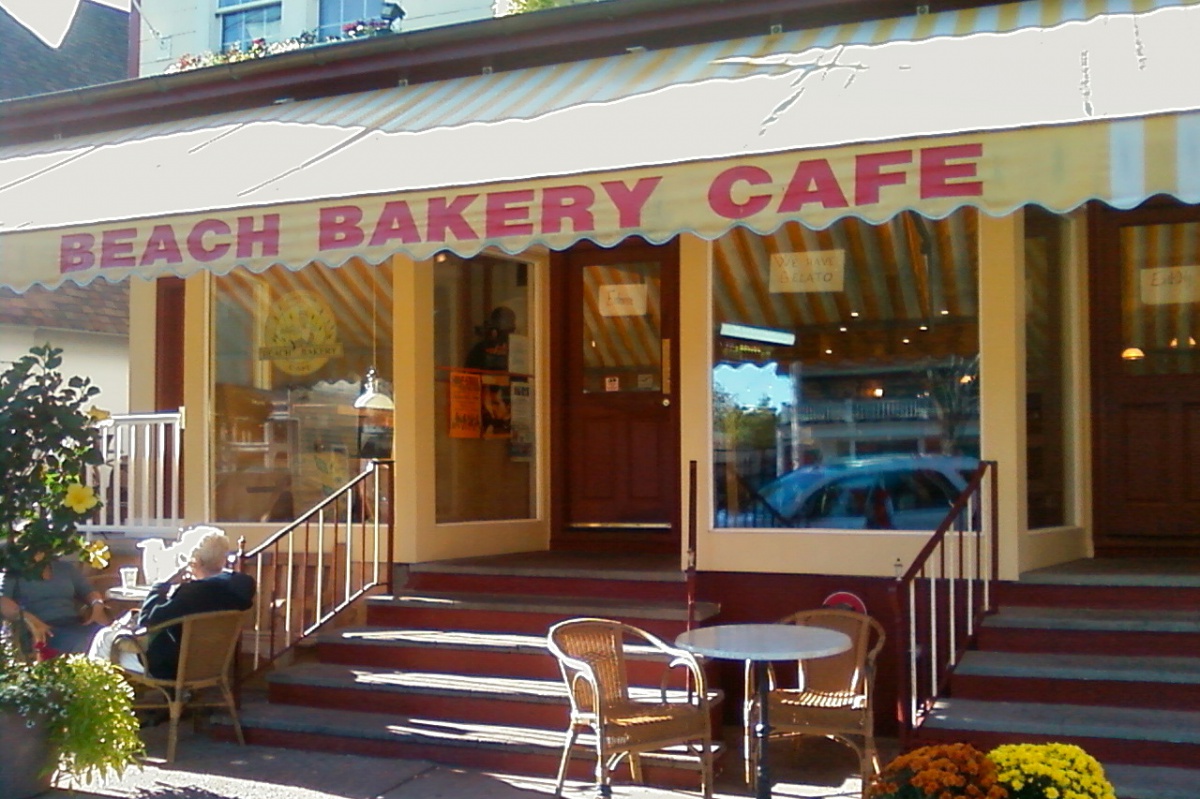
<point>102,357</point>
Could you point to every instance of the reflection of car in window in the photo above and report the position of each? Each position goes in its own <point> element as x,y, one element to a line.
<point>896,492</point>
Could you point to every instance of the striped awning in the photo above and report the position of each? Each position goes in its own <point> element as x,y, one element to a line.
<point>1052,102</point>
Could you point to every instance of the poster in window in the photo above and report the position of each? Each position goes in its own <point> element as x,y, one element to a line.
<point>520,446</point>
<point>495,406</point>
<point>465,407</point>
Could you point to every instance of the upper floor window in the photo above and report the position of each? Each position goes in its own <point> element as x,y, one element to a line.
<point>336,13</point>
<point>243,21</point>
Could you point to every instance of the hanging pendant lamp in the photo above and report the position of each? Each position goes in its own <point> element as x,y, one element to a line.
<point>372,397</point>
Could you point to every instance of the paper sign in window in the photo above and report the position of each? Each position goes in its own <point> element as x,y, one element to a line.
<point>1170,285</point>
<point>623,299</point>
<point>804,272</point>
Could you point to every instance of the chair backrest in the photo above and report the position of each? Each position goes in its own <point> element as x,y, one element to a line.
<point>852,669</point>
<point>207,644</point>
<point>591,654</point>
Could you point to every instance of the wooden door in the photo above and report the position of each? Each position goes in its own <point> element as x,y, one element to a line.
<point>1145,322</point>
<point>616,432</point>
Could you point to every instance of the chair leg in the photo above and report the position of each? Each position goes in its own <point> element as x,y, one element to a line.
<point>175,709</point>
<point>572,734</point>
<point>706,768</point>
<point>635,768</point>
<point>231,703</point>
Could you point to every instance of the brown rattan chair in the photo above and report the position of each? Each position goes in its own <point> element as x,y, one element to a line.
<point>831,697</point>
<point>592,656</point>
<point>208,643</point>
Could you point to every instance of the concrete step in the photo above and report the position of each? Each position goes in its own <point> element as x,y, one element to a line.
<point>1169,683</point>
<point>460,652</point>
<point>484,746</point>
<point>1132,736</point>
<point>525,613</point>
<point>555,574</point>
<point>1149,782</point>
<point>1100,631</point>
<point>457,697</point>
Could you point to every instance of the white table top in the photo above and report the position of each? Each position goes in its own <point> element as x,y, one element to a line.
<point>135,593</point>
<point>763,642</point>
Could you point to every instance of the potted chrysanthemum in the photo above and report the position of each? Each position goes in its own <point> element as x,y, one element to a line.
<point>1050,771</point>
<point>941,771</point>
<point>81,708</point>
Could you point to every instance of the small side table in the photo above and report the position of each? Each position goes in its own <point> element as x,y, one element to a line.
<point>122,599</point>
<point>760,644</point>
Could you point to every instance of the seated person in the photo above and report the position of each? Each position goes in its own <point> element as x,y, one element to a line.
<point>49,604</point>
<point>206,587</point>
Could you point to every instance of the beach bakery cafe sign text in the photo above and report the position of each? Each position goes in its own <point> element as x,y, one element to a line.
<point>657,203</point>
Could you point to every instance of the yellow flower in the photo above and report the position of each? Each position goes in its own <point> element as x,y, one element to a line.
<point>96,554</point>
<point>80,498</point>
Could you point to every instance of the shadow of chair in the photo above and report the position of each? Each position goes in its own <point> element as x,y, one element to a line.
<point>207,645</point>
<point>831,697</point>
<point>629,723</point>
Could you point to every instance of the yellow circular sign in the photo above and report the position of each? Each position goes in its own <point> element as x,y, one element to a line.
<point>301,334</point>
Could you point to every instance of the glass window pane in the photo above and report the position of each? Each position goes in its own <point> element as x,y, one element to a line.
<point>846,372</point>
<point>622,312</point>
<point>485,383</point>
<point>1160,298</point>
<point>1045,442</point>
<point>336,13</point>
<point>240,28</point>
<point>291,351</point>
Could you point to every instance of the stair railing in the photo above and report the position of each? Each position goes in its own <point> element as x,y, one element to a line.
<point>940,600</point>
<point>138,481</point>
<point>318,565</point>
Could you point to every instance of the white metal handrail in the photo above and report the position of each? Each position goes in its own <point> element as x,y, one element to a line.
<point>139,480</point>
<point>941,599</point>
<point>318,565</point>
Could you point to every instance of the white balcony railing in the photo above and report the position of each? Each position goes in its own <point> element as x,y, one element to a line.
<point>139,480</point>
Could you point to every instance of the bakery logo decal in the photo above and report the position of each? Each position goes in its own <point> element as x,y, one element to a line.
<point>301,334</point>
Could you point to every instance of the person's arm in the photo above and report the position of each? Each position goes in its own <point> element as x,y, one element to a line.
<point>94,599</point>
<point>13,611</point>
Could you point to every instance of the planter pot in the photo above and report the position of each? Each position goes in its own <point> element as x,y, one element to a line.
<point>24,757</point>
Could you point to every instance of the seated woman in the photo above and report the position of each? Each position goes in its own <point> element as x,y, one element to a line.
<point>207,587</point>
<point>49,605</point>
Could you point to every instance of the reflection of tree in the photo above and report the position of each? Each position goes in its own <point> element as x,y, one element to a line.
<point>742,427</point>
<point>953,387</point>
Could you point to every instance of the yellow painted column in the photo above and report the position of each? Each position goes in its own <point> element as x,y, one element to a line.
<point>412,370</point>
<point>143,341</point>
<point>695,385</point>
<point>197,406</point>
<point>1002,373</point>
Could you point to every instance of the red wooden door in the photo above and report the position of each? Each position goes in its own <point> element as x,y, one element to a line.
<point>1145,321</point>
<point>617,441</point>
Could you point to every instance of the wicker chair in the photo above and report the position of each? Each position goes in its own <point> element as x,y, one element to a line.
<point>832,697</point>
<point>591,654</point>
<point>207,646</point>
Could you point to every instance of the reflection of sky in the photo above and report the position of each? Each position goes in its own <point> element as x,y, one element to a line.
<point>748,383</point>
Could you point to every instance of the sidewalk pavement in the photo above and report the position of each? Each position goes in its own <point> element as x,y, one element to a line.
<point>208,769</point>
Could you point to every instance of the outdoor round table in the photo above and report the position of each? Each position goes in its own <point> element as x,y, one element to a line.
<point>760,644</point>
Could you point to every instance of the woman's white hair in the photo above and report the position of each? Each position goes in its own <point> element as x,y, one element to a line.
<point>211,552</point>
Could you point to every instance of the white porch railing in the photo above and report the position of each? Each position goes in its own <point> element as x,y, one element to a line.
<point>940,600</point>
<point>139,480</point>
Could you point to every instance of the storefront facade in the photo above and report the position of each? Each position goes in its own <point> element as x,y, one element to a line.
<point>804,261</point>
